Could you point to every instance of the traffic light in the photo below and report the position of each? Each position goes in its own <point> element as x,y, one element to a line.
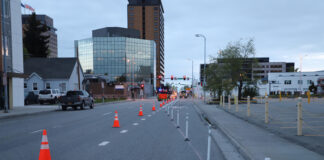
<point>142,86</point>
<point>160,77</point>
<point>184,77</point>
<point>171,77</point>
<point>188,78</point>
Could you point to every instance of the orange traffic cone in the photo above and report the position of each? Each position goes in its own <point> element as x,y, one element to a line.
<point>153,108</point>
<point>44,153</point>
<point>141,111</point>
<point>161,105</point>
<point>116,121</point>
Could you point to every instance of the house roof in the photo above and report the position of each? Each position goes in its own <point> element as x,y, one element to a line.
<point>50,68</point>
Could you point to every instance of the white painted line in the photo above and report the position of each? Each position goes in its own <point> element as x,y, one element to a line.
<point>123,131</point>
<point>57,126</point>
<point>143,119</point>
<point>135,124</point>
<point>36,131</point>
<point>106,114</point>
<point>103,143</point>
<point>149,115</point>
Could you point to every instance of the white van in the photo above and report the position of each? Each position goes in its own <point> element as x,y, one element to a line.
<point>49,95</point>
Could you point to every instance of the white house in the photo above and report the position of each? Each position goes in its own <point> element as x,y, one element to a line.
<point>53,73</point>
<point>290,82</point>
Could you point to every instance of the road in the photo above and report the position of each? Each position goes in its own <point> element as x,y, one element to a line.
<point>88,134</point>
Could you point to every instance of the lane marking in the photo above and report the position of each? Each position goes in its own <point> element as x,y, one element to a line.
<point>143,119</point>
<point>103,143</point>
<point>107,113</point>
<point>123,131</point>
<point>149,115</point>
<point>135,124</point>
<point>36,131</point>
<point>57,126</point>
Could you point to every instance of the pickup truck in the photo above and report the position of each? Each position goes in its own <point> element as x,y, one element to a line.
<point>76,99</point>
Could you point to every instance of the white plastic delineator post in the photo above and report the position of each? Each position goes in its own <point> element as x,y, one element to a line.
<point>178,124</point>
<point>187,127</point>
<point>172,114</point>
<point>209,142</point>
<point>236,104</point>
<point>248,107</point>
<point>299,117</point>
<point>266,118</point>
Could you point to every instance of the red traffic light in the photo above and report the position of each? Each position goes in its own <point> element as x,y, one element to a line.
<point>184,77</point>
<point>142,86</point>
<point>171,77</point>
<point>160,77</point>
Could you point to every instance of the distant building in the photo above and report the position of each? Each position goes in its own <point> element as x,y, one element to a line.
<point>11,43</point>
<point>260,70</point>
<point>48,21</point>
<point>292,82</point>
<point>53,73</point>
<point>116,32</point>
<point>147,17</point>
<point>119,59</point>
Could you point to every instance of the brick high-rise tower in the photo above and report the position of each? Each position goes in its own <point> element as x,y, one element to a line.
<point>147,17</point>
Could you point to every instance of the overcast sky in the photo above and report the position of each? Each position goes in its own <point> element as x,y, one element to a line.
<point>284,30</point>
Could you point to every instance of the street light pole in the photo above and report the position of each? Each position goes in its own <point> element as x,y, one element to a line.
<point>4,45</point>
<point>192,76</point>
<point>204,82</point>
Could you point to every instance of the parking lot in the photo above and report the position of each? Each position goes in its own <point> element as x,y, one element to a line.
<point>283,119</point>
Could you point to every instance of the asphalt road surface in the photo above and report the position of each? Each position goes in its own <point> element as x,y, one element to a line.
<point>88,134</point>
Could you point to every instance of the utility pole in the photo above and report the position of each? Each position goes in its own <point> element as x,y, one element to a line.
<point>4,54</point>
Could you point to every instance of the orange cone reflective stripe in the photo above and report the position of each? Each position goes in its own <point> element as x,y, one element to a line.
<point>141,111</point>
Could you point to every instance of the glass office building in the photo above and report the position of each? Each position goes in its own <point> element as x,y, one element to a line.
<point>121,59</point>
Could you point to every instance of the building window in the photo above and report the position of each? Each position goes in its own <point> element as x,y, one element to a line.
<point>300,81</point>
<point>35,87</point>
<point>288,82</point>
<point>131,8</point>
<point>310,82</point>
<point>156,18</point>
<point>25,85</point>
<point>48,86</point>
<point>63,87</point>
<point>156,8</point>
<point>155,23</point>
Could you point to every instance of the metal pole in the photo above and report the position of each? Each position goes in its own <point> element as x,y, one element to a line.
<point>178,125</point>
<point>248,106</point>
<point>204,68</point>
<point>209,141</point>
<point>6,110</point>
<point>192,78</point>
<point>172,114</point>
<point>168,110</point>
<point>266,119</point>
<point>236,104</point>
<point>229,102</point>
<point>187,126</point>
<point>224,101</point>
<point>299,118</point>
<point>220,100</point>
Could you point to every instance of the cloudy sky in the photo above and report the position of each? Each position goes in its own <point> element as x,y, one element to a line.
<point>284,30</point>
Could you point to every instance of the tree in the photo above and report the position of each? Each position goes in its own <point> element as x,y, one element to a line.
<point>231,67</point>
<point>35,41</point>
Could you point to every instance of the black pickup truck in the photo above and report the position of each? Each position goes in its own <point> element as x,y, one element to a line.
<point>76,99</point>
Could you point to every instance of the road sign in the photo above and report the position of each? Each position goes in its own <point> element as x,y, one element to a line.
<point>102,85</point>
<point>119,87</point>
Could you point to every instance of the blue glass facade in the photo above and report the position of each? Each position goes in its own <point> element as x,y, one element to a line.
<point>119,58</point>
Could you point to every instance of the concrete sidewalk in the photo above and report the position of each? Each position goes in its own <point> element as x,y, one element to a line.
<point>28,110</point>
<point>254,142</point>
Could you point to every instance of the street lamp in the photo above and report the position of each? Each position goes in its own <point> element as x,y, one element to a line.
<point>204,82</point>
<point>192,76</point>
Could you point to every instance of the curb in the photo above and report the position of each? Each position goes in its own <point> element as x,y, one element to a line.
<point>240,148</point>
<point>27,114</point>
<point>53,110</point>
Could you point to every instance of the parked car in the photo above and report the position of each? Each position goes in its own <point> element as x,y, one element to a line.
<point>49,95</point>
<point>76,99</point>
<point>31,98</point>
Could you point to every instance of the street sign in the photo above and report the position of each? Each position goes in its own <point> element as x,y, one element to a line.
<point>102,85</point>
<point>119,87</point>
